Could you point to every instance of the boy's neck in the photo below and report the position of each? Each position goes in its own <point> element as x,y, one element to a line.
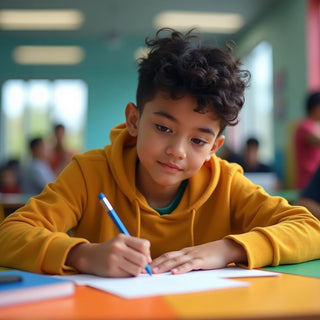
<point>157,196</point>
<point>161,199</point>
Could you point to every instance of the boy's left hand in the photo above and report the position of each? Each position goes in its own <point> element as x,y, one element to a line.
<point>212,255</point>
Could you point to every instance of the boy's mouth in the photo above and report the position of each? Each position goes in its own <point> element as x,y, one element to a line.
<point>170,166</point>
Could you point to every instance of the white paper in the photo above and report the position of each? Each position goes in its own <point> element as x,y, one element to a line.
<point>166,283</point>
<point>236,272</point>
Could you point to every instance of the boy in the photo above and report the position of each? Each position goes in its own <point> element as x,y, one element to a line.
<point>37,173</point>
<point>185,208</point>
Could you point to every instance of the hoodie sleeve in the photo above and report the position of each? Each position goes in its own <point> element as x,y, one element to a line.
<point>271,231</point>
<point>35,238</point>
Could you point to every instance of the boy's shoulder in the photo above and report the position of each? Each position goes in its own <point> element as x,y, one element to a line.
<point>228,166</point>
<point>91,155</point>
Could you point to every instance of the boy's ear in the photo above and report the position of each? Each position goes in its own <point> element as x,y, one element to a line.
<point>132,119</point>
<point>216,146</point>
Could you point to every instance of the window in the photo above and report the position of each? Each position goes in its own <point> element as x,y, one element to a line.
<point>256,117</point>
<point>31,108</point>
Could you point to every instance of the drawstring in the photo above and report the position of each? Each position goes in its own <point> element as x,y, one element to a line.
<point>138,217</point>
<point>193,215</point>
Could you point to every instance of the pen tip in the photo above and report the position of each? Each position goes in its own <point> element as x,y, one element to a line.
<point>149,270</point>
<point>101,196</point>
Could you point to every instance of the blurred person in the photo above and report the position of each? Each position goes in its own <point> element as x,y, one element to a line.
<point>14,164</point>
<point>310,195</point>
<point>254,169</point>
<point>9,180</point>
<point>228,154</point>
<point>38,172</point>
<point>250,160</point>
<point>60,155</point>
<point>307,141</point>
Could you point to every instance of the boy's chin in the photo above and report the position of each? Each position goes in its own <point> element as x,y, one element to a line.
<point>168,183</point>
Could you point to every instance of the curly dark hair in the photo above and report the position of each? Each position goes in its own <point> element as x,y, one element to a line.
<point>180,64</point>
<point>312,101</point>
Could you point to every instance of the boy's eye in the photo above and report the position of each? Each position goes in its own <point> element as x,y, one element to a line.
<point>162,128</point>
<point>198,141</point>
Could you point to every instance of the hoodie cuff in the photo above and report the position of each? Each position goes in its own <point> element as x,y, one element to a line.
<point>57,252</point>
<point>257,246</point>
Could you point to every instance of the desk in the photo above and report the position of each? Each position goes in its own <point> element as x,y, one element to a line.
<point>292,195</point>
<point>289,296</point>
<point>11,202</point>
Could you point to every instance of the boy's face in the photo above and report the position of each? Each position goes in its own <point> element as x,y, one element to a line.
<point>173,141</point>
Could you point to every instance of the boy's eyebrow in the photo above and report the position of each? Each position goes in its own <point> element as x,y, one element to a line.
<point>207,130</point>
<point>170,117</point>
<point>166,115</point>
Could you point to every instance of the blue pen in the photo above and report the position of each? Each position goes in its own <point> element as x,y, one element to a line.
<point>103,199</point>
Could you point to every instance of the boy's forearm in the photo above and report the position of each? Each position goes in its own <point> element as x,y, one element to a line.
<point>234,252</point>
<point>77,257</point>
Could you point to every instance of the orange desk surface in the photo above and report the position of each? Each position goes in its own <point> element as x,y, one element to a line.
<point>286,297</point>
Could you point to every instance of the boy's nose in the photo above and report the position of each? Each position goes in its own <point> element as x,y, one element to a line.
<point>177,149</point>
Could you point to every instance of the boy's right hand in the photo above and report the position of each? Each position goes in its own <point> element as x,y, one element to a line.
<point>122,256</point>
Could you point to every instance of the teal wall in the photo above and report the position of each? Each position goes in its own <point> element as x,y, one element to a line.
<point>112,79</point>
<point>109,71</point>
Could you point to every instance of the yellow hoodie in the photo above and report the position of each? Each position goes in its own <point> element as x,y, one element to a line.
<point>219,202</point>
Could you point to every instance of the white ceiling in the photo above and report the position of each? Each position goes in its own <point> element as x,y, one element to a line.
<point>120,19</point>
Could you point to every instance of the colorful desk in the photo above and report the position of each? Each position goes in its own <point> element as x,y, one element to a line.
<point>292,195</point>
<point>290,296</point>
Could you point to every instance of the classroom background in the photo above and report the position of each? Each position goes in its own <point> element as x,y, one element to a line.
<point>85,76</point>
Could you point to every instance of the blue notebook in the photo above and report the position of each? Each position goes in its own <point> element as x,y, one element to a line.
<point>31,287</point>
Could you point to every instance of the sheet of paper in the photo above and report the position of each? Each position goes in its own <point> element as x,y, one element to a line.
<point>236,272</point>
<point>166,283</point>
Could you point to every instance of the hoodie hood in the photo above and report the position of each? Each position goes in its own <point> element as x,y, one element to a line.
<point>122,158</point>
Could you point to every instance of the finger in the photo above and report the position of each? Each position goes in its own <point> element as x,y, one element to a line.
<point>187,266</point>
<point>127,258</point>
<point>118,266</point>
<point>125,268</point>
<point>125,261</point>
<point>141,245</point>
<point>170,261</point>
<point>164,257</point>
<point>131,268</point>
<point>137,244</point>
<point>136,258</point>
<point>156,264</point>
